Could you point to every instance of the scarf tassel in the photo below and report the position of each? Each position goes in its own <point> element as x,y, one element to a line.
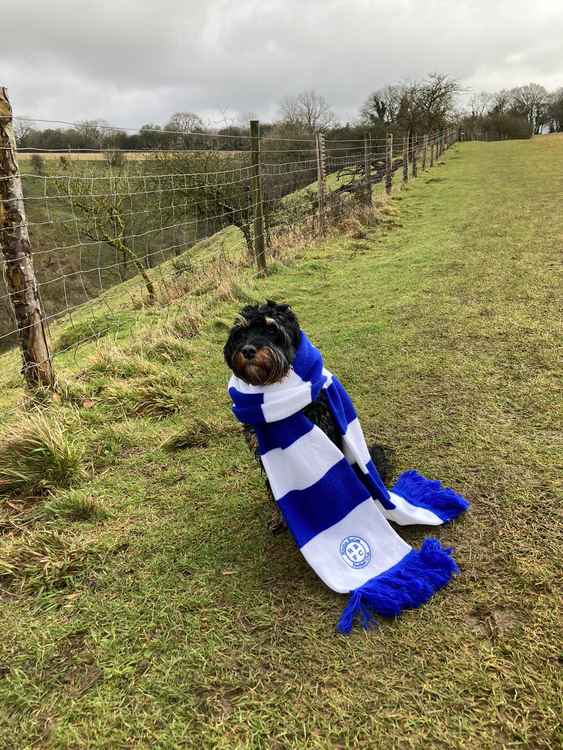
<point>430,494</point>
<point>407,585</point>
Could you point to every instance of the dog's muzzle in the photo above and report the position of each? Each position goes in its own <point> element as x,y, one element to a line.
<point>260,366</point>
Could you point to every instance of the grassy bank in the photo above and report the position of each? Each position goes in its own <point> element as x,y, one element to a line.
<point>145,604</point>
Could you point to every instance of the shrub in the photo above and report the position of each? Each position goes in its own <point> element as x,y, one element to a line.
<point>37,164</point>
<point>115,158</point>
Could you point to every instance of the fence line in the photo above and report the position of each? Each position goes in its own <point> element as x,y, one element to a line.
<point>96,223</point>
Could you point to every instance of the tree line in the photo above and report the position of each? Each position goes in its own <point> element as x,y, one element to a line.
<point>422,106</point>
<point>520,112</point>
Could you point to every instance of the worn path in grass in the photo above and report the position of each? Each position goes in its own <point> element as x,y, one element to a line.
<point>174,619</point>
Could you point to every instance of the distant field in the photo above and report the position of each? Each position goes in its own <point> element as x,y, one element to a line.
<point>102,155</point>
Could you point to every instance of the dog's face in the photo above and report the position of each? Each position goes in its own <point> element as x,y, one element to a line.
<point>262,343</point>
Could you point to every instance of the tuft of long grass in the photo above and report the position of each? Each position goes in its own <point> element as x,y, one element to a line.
<point>198,434</point>
<point>148,397</point>
<point>163,347</point>
<point>85,330</point>
<point>115,362</point>
<point>41,560</point>
<point>188,325</point>
<point>37,455</point>
<point>71,506</point>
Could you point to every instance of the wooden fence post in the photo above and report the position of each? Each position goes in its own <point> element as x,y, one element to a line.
<point>18,261</point>
<point>424,151</point>
<point>406,158</point>
<point>432,151</point>
<point>367,169</point>
<point>321,180</point>
<point>389,164</point>
<point>414,163</point>
<point>259,237</point>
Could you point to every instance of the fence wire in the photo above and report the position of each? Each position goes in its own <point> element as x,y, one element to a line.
<point>98,218</point>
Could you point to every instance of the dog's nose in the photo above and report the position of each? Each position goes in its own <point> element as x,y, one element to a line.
<point>248,351</point>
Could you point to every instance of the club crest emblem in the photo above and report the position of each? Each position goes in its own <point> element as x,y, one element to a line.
<point>355,551</point>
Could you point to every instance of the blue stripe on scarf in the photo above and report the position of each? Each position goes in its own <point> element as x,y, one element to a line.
<point>340,404</point>
<point>317,508</point>
<point>308,363</point>
<point>282,434</point>
<point>374,483</point>
<point>247,407</point>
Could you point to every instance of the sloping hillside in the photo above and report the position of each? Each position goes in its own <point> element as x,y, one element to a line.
<point>146,605</point>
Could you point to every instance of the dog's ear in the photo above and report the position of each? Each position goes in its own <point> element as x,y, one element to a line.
<point>247,313</point>
<point>288,319</point>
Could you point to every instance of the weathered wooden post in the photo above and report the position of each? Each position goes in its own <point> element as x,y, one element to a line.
<point>321,180</point>
<point>389,164</point>
<point>18,261</point>
<point>259,236</point>
<point>432,146</point>
<point>414,163</point>
<point>424,151</point>
<point>367,169</point>
<point>406,158</point>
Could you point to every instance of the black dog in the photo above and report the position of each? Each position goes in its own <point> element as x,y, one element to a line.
<point>260,350</point>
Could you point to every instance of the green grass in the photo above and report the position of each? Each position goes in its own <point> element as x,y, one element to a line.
<point>39,454</point>
<point>149,607</point>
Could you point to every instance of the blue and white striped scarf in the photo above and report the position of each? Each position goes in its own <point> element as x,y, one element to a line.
<point>335,503</point>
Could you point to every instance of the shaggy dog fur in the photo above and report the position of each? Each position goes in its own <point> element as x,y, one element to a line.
<point>260,350</point>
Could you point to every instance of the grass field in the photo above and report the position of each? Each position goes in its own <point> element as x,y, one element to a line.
<point>147,606</point>
<point>102,155</point>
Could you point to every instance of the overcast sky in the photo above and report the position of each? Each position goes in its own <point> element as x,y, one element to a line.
<point>134,61</point>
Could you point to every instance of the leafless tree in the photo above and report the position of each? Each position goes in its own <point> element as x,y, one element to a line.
<point>185,122</point>
<point>93,132</point>
<point>555,111</point>
<point>22,130</point>
<point>531,100</point>
<point>382,105</point>
<point>133,211</point>
<point>181,125</point>
<point>308,110</point>
<point>480,104</point>
<point>436,100</point>
<point>415,106</point>
<point>502,101</point>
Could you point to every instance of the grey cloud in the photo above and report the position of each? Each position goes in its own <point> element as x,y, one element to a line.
<point>133,61</point>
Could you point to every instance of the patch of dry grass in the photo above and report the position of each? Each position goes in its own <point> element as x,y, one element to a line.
<point>39,454</point>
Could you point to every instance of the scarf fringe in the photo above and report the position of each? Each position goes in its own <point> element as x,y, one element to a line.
<point>430,494</point>
<point>407,585</point>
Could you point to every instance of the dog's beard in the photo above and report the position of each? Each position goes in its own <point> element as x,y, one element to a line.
<point>268,366</point>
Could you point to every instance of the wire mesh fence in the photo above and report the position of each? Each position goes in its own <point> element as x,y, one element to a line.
<point>95,219</point>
